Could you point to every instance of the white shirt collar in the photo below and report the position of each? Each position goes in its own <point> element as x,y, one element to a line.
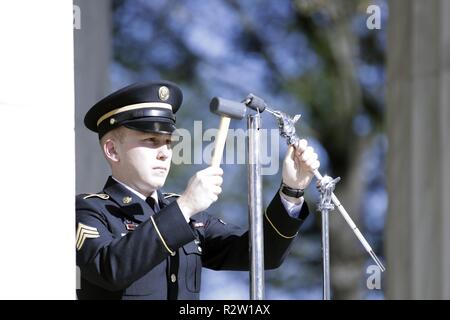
<point>154,195</point>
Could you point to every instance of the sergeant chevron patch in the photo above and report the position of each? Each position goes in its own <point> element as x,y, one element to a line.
<point>84,232</point>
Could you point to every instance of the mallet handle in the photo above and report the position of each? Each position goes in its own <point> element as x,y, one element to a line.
<point>220,141</point>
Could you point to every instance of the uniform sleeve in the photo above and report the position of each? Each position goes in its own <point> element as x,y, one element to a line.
<point>114,262</point>
<point>227,246</point>
<point>292,209</point>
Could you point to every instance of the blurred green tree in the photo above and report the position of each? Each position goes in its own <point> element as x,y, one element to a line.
<point>315,57</point>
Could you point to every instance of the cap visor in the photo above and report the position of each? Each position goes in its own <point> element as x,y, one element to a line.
<point>150,126</point>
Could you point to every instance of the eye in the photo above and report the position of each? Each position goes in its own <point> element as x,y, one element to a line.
<point>151,141</point>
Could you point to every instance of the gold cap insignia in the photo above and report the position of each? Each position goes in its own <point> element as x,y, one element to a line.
<point>164,93</point>
<point>127,200</point>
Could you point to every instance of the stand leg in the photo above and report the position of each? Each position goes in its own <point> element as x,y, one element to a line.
<point>255,209</point>
<point>326,255</point>
<point>326,188</point>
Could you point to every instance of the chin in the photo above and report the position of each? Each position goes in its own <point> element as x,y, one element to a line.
<point>157,183</point>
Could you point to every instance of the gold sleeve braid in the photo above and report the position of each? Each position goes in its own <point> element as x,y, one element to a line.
<point>276,230</point>
<point>160,236</point>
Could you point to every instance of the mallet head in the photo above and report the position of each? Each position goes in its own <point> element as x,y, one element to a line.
<point>227,108</point>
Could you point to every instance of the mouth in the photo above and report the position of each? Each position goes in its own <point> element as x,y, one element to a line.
<point>160,168</point>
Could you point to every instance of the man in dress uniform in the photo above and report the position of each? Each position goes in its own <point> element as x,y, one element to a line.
<point>135,242</point>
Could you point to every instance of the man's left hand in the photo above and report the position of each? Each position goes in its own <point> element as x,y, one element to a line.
<point>299,164</point>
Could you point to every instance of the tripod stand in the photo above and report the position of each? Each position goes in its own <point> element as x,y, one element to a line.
<point>286,125</point>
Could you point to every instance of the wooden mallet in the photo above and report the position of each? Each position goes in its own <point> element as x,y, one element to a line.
<point>227,109</point>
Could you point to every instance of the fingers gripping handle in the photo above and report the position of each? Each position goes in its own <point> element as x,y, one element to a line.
<point>220,141</point>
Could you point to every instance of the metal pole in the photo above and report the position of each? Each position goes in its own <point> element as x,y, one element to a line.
<point>286,124</point>
<point>352,225</point>
<point>326,188</point>
<point>255,209</point>
<point>326,254</point>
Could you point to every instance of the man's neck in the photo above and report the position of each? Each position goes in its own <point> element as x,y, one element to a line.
<point>153,194</point>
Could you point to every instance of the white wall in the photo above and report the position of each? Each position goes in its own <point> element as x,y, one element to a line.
<point>418,125</point>
<point>92,59</point>
<point>37,166</point>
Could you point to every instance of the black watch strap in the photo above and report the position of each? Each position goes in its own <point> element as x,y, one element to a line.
<point>291,192</point>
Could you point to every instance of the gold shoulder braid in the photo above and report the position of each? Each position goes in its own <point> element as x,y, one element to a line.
<point>168,195</point>
<point>103,196</point>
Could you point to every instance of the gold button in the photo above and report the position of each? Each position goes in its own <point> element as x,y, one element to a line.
<point>173,278</point>
<point>127,200</point>
<point>199,249</point>
<point>173,254</point>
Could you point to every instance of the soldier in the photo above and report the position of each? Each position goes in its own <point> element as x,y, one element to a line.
<point>135,242</point>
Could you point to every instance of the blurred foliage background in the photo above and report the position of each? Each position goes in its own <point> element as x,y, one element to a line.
<point>312,57</point>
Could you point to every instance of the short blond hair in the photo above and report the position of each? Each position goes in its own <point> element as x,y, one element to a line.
<point>116,134</point>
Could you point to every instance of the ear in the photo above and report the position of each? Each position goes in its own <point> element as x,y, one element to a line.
<point>110,150</point>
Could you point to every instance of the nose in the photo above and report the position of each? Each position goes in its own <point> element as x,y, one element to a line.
<point>164,152</point>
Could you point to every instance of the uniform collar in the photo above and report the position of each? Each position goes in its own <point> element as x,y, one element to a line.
<point>154,195</point>
<point>131,202</point>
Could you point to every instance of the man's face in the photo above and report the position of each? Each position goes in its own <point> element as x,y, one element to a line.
<point>143,159</point>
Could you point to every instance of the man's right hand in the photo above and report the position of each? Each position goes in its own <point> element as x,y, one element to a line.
<point>203,189</point>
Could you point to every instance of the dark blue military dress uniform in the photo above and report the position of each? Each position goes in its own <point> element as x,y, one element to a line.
<point>127,251</point>
<point>130,248</point>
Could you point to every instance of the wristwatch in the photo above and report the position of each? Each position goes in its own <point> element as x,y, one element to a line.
<point>291,192</point>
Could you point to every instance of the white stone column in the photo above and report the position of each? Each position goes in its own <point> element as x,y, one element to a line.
<point>418,124</point>
<point>37,168</point>
<point>92,61</point>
